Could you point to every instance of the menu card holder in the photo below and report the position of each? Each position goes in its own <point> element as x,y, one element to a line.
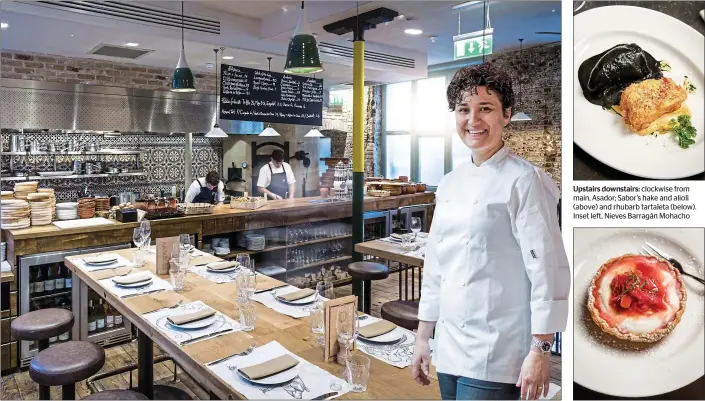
<point>331,310</point>
<point>164,246</point>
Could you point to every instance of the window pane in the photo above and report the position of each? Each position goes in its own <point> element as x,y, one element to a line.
<point>430,106</point>
<point>431,160</point>
<point>398,151</point>
<point>461,153</point>
<point>397,107</point>
<point>323,151</point>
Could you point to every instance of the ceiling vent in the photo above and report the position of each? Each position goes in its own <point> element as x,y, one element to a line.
<point>375,57</point>
<point>119,51</point>
<point>137,13</point>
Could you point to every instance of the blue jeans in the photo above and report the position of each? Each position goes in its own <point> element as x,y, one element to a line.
<point>465,388</point>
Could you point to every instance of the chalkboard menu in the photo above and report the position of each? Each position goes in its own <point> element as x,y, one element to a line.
<point>257,95</point>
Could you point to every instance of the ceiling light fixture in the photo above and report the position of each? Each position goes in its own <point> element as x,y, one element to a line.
<point>131,44</point>
<point>227,57</point>
<point>302,56</point>
<point>4,25</point>
<point>520,116</point>
<point>314,133</point>
<point>216,132</point>
<point>413,31</point>
<point>269,131</point>
<point>182,79</point>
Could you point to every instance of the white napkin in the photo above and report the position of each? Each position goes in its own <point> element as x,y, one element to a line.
<point>268,300</point>
<point>81,263</point>
<point>156,285</point>
<point>398,355</point>
<point>215,277</point>
<point>311,382</point>
<point>159,319</point>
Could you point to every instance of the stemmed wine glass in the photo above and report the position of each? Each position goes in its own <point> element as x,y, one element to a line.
<point>146,231</point>
<point>347,328</point>
<point>137,237</point>
<point>415,226</point>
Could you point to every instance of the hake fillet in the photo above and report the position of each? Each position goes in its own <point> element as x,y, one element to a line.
<point>644,102</point>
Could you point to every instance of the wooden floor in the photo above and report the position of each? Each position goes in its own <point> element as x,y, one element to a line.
<point>19,386</point>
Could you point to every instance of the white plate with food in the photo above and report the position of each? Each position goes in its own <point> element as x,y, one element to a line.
<point>652,138</point>
<point>652,352</point>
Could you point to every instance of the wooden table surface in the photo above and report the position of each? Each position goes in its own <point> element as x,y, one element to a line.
<point>387,250</point>
<point>386,381</point>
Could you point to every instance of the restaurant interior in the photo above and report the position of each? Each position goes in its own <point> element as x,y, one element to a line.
<point>117,284</point>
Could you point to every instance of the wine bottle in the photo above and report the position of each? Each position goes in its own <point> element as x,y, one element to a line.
<point>50,303</point>
<point>39,283</point>
<point>100,317</point>
<point>32,279</point>
<point>109,317</point>
<point>91,318</point>
<point>68,280</point>
<point>49,281</point>
<point>60,280</point>
<point>118,318</point>
<point>63,302</point>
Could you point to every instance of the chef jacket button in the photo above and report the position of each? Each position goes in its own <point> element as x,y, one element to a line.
<point>474,202</point>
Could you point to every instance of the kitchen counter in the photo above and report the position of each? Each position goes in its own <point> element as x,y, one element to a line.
<point>223,220</point>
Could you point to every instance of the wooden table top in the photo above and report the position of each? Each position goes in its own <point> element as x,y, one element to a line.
<point>386,381</point>
<point>387,250</point>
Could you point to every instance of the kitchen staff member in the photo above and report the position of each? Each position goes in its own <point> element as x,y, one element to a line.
<point>496,277</point>
<point>276,179</point>
<point>208,189</point>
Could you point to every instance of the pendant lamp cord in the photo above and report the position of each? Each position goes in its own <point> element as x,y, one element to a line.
<point>484,31</point>
<point>182,25</point>
<point>217,102</point>
<point>521,60</point>
<point>270,63</point>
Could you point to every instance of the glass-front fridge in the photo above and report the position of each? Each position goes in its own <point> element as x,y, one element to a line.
<point>46,282</point>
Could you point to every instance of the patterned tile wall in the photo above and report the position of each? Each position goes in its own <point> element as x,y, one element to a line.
<point>162,161</point>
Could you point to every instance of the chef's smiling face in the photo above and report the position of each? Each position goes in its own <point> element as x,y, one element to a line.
<point>480,119</point>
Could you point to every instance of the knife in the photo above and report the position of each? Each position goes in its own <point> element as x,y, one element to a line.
<point>206,336</point>
<point>141,293</point>
<point>273,288</point>
<point>326,395</point>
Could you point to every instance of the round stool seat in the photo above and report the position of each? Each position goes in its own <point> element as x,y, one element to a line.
<point>402,313</point>
<point>66,363</point>
<point>368,270</point>
<point>42,324</point>
<point>117,395</point>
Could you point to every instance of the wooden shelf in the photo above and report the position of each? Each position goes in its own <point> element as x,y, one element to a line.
<point>318,241</point>
<point>7,277</point>
<point>72,176</point>
<point>337,283</point>
<point>249,252</point>
<point>320,263</point>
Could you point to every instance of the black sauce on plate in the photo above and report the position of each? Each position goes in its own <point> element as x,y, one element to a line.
<point>604,76</point>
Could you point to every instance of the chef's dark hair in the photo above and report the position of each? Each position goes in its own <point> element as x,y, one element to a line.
<point>278,155</point>
<point>468,79</point>
<point>213,178</point>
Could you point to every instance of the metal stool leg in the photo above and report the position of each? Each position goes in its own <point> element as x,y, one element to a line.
<point>357,291</point>
<point>68,391</point>
<point>367,296</point>
<point>44,391</point>
<point>413,283</point>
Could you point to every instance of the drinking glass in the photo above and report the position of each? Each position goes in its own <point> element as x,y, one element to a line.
<point>317,322</point>
<point>248,317</point>
<point>138,257</point>
<point>407,242</point>
<point>146,230</point>
<point>137,237</point>
<point>177,272</point>
<point>325,289</point>
<point>347,328</point>
<point>358,369</point>
<point>185,241</point>
<point>243,259</point>
<point>246,283</point>
<point>415,225</point>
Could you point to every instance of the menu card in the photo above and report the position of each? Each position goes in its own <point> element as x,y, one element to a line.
<point>164,246</point>
<point>331,310</point>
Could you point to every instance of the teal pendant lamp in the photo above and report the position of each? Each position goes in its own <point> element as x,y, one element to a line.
<point>182,79</point>
<point>302,56</point>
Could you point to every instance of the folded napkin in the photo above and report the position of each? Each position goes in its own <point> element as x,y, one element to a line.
<point>264,283</point>
<point>108,257</point>
<point>221,265</point>
<point>204,260</point>
<point>376,329</point>
<point>191,317</point>
<point>132,278</point>
<point>269,368</point>
<point>296,295</point>
<point>108,273</point>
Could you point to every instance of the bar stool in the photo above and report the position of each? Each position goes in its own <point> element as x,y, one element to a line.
<point>365,272</point>
<point>66,364</point>
<point>117,395</point>
<point>402,313</point>
<point>40,326</point>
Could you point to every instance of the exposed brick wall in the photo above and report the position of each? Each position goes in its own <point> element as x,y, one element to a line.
<point>539,71</point>
<point>52,68</point>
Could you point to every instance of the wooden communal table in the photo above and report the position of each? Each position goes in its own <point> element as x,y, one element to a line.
<point>386,381</point>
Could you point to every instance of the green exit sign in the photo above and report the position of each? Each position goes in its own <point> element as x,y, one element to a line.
<point>475,46</point>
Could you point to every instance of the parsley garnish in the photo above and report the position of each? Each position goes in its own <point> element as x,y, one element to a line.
<point>684,130</point>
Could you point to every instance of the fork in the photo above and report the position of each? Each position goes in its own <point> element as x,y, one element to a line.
<point>651,250</point>
<point>243,353</point>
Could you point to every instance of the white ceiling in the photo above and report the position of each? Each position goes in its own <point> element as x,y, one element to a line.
<point>252,30</point>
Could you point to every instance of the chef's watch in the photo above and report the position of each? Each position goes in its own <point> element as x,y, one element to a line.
<point>543,346</point>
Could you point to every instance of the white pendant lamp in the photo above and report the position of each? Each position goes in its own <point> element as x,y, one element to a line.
<point>521,116</point>
<point>216,131</point>
<point>314,133</point>
<point>269,131</point>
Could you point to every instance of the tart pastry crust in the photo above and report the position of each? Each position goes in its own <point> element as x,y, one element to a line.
<point>652,336</point>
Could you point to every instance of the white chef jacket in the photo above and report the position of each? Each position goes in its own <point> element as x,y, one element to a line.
<point>495,270</point>
<point>265,175</point>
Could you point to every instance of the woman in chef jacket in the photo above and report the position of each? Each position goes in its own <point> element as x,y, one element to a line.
<point>496,277</point>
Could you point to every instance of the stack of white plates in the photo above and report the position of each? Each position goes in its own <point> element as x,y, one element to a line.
<point>22,189</point>
<point>40,205</point>
<point>14,214</point>
<point>3,248</point>
<point>67,211</point>
<point>50,191</point>
<point>254,242</point>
